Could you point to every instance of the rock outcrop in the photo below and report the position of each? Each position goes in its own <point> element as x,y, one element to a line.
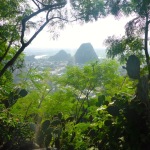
<point>30,58</point>
<point>85,53</point>
<point>60,56</point>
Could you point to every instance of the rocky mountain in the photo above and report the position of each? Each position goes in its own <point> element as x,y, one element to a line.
<point>85,53</point>
<point>60,56</point>
<point>30,58</point>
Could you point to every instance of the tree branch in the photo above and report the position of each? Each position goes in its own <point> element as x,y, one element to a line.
<point>23,31</point>
<point>47,7</point>
<point>146,45</point>
<point>41,3</point>
<point>41,28</point>
<point>36,4</point>
<point>27,18</point>
<point>7,49</point>
<point>24,45</point>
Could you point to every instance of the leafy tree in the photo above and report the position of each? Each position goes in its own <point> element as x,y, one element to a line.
<point>17,18</point>
<point>124,114</point>
<point>71,97</point>
<point>77,105</point>
<point>15,133</point>
<point>21,16</point>
<point>124,47</point>
<point>88,10</point>
<point>7,80</point>
<point>136,29</point>
<point>89,107</point>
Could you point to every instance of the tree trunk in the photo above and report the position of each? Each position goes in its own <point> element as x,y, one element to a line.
<point>146,45</point>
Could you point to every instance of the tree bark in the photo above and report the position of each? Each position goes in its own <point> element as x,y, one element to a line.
<point>146,45</point>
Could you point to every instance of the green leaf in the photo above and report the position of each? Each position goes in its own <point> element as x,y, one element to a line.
<point>113,110</point>
<point>48,139</point>
<point>45,125</point>
<point>57,131</point>
<point>92,133</point>
<point>49,130</point>
<point>23,93</point>
<point>60,115</point>
<point>32,126</point>
<point>55,122</point>
<point>101,100</point>
<point>108,122</point>
<point>133,67</point>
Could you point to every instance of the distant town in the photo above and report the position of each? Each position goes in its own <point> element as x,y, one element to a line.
<point>59,59</point>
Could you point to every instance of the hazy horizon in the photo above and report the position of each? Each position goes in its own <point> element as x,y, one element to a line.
<point>53,51</point>
<point>72,36</point>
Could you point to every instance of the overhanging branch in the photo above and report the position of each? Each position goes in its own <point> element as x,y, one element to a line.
<point>27,18</point>
<point>36,4</point>
<point>24,45</point>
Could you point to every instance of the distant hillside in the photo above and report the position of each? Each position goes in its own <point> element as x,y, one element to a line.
<point>30,58</point>
<point>60,56</point>
<point>85,53</point>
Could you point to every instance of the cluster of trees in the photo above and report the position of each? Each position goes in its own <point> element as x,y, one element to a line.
<point>93,107</point>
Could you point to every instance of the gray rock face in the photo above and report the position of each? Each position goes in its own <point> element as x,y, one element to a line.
<point>60,56</point>
<point>85,53</point>
<point>30,58</point>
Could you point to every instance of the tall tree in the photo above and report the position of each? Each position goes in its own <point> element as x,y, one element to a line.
<point>14,27</point>
<point>19,16</point>
<point>136,29</point>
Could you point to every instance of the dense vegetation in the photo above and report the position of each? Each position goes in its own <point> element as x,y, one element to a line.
<point>90,107</point>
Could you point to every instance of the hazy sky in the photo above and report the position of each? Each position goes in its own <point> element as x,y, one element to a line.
<point>72,36</point>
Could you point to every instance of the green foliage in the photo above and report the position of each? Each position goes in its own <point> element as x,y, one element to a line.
<point>14,132</point>
<point>66,116</point>
<point>133,67</point>
<point>101,100</point>
<point>7,80</point>
<point>89,107</point>
<point>88,10</point>
<point>127,7</point>
<point>123,47</point>
<point>129,123</point>
<point>13,97</point>
<point>92,77</point>
<point>92,107</point>
<point>70,95</point>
